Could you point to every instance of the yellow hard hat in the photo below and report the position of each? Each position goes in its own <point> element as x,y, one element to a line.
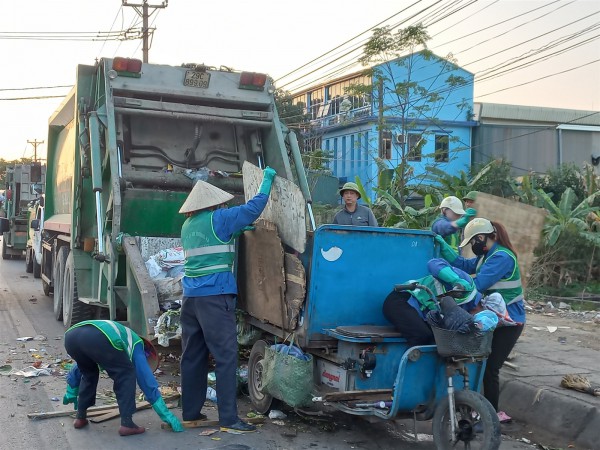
<point>478,225</point>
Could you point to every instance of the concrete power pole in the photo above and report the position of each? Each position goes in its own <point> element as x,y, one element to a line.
<point>144,15</point>
<point>35,144</point>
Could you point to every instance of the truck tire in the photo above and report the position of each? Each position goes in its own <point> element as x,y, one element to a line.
<point>28,260</point>
<point>260,400</point>
<point>35,267</point>
<point>470,408</point>
<point>5,254</point>
<point>47,290</point>
<point>59,271</point>
<point>74,311</point>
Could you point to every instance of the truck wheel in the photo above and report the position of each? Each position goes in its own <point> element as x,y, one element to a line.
<point>74,311</point>
<point>260,400</point>
<point>5,254</point>
<point>472,411</point>
<point>28,260</point>
<point>47,290</point>
<point>35,267</point>
<point>59,272</point>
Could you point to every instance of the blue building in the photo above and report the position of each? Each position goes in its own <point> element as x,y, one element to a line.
<point>417,109</point>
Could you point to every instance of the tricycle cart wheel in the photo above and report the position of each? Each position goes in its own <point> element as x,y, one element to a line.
<point>477,425</point>
<point>260,401</point>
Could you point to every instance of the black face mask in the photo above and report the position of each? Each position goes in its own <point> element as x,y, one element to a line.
<point>479,247</point>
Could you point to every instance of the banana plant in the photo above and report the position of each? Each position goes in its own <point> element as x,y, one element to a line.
<point>564,216</point>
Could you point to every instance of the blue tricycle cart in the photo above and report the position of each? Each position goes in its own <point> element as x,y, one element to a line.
<point>362,366</point>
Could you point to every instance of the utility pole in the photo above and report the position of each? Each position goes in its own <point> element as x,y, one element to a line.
<point>35,144</point>
<point>143,13</point>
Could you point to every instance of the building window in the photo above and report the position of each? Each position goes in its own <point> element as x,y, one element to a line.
<point>441,148</point>
<point>414,147</point>
<point>385,150</point>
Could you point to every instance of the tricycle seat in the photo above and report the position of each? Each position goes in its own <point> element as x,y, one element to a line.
<point>365,333</point>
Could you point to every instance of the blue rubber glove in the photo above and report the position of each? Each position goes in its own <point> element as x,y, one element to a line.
<point>71,396</point>
<point>268,177</point>
<point>167,416</point>
<point>466,218</point>
<point>446,251</point>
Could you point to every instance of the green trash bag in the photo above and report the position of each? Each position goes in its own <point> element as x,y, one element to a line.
<point>288,374</point>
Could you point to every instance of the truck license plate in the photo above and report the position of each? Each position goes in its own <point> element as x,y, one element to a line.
<point>196,79</point>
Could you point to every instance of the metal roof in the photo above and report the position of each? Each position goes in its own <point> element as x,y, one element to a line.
<point>486,112</point>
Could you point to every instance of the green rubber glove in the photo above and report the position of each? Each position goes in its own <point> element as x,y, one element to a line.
<point>446,250</point>
<point>71,396</point>
<point>450,276</point>
<point>466,218</point>
<point>167,416</point>
<point>268,176</point>
<point>239,233</point>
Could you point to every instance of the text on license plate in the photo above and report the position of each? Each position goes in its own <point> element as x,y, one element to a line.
<point>196,79</point>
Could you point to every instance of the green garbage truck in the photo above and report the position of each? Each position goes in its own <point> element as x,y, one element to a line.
<point>124,149</point>
<point>24,184</point>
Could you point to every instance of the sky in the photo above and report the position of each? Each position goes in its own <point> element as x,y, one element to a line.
<point>536,53</point>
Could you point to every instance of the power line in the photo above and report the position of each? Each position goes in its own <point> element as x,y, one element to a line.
<point>40,87</point>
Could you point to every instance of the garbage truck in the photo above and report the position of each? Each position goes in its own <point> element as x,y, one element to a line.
<point>24,184</point>
<point>123,151</point>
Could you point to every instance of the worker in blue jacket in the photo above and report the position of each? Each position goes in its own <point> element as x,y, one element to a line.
<point>495,269</point>
<point>452,220</point>
<point>407,310</point>
<point>208,322</point>
<point>126,357</point>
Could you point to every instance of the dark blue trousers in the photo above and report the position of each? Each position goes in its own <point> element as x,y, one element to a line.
<point>90,348</point>
<point>208,326</point>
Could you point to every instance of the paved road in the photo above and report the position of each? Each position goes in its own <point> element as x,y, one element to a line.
<point>25,311</point>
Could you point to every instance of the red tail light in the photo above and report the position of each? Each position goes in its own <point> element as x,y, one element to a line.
<point>252,80</point>
<point>127,66</point>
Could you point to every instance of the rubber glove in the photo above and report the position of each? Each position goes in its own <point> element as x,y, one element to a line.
<point>71,396</point>
<point>466,218</point>
<point>450,276</point>
<point>446,251</point>
<point>239,233</point>
<point>268,176</point>
<point>167,416</point>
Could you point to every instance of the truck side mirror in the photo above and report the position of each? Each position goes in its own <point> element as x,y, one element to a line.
<point>4,225</point>
<point>36,172</point>
<point>35,224</point>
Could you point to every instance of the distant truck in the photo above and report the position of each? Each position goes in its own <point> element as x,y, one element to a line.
<point>24,184</point>
<point>124,150</point>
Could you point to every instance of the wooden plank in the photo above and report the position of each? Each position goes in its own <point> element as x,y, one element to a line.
<point>115,413</point>
<point>208,423</point>
<point>523,223</point>
<point>286,207</point>
<point>261,275</point>
<point>94,409</point>
<point>358,395</point>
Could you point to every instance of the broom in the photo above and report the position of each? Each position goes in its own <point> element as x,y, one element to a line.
<point>579,383</point>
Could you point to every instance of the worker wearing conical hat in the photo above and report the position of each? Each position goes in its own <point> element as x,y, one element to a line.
<point>209,297</point>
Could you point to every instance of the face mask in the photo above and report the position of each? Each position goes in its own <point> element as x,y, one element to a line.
<point>479,248</point>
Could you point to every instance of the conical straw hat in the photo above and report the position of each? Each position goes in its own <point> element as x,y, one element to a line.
<point>204,195</point>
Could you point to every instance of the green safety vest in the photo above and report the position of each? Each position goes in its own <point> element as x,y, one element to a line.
<point>121,337</point>
<point>425,300</point>
<point>511,287</point>
<point>205,253</point>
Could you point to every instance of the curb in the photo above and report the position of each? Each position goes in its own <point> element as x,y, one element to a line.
<point>567,416</point>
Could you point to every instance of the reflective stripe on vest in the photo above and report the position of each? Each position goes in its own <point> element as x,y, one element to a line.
<point>205,253</point>
<point>225,248</point>
<point>118,335</point>
<point>510,288</point>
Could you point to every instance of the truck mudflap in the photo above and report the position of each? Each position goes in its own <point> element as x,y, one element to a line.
<point>143,309</point>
